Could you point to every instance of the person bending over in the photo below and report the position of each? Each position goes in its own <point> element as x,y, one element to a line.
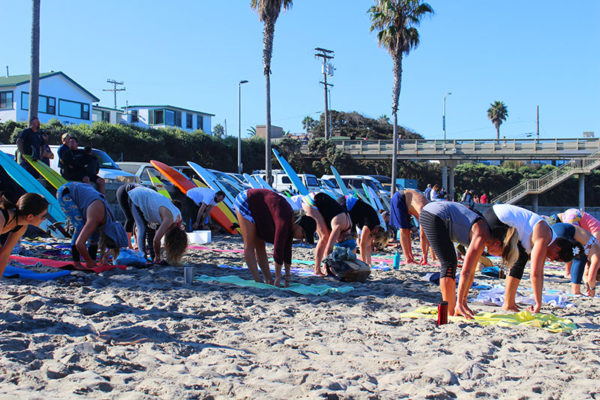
<point>90,214</point>
<point>122,195</point>
<point>205,199</point>
<point>265,216</point>
<point>405,203</point>
<point>31,209</point>
<point>333,224</point>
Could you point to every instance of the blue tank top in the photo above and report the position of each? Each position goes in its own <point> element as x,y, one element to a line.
<point>84,195</point>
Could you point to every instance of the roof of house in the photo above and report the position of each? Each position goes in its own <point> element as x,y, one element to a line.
<point>171,107</point>
<point>15,80</point>
<point>99,107</point>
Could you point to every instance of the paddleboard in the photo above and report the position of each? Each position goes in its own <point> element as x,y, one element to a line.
<point>158,185</point>
<point>224,209</point>
<point>184,184</point>
<point>252,181</point>
<point>289,171</point>
<point>53,177</point>
<point>31,185</point>
<point>340,181</point>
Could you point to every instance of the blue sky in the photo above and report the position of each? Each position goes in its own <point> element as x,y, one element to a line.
<point>192,54</point>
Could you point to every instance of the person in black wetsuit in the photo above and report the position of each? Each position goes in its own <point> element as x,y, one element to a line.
<point>332,223</point>
<point>31,209</point>
<point>365,218</point>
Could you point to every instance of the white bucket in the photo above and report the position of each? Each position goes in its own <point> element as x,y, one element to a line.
<point>199,237</point>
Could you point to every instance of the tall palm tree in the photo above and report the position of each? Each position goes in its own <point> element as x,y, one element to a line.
<point>34,83</point>
<point>395,22</point>
<point>497,113</point>
<point>307,124</point>
<point>268,12</point>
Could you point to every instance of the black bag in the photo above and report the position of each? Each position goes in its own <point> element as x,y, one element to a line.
<point>348,270</point>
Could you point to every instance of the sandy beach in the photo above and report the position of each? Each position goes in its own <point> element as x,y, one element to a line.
<point>145,334</point>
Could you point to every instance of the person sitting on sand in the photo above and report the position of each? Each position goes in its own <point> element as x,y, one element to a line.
<point>151,209</point>
<point>31,209</point>
<point>205,199</point>
<point>516,234</point>
<point>333,224</point>
<point>265,216</point>
<point>587,248</point>
<point>365,218</point>
<point>405,203</point>
<point>90,215</point>
<point>444,223</point>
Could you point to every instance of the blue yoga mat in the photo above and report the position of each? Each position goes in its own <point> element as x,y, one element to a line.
<point>15,272</point>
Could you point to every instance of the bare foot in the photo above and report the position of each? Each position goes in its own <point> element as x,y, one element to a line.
<point>424,262</point>
<point>510,307</point>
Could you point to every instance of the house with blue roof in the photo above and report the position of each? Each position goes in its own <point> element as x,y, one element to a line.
<point>60,97</point>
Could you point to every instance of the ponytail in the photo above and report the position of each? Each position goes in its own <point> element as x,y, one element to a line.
<point>510,250</point>
<point>31,204</point>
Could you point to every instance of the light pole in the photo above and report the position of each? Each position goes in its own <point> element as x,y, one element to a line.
<point>444,118</point>
<point>240,125</point>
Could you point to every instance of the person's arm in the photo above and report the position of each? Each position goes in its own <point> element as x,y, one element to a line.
<point>424,245</point>
<point>474,251</point>
<point>365,245</point>
<point>88,229</point>
<point>541,236</point>
<point>593,253</point>
<point>200,216</point>
<point>11,242</point>
<point>165,225</point>
<point>336,231</point>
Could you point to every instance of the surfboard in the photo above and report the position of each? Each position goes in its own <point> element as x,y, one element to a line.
<point>211,180</point>
<point>252,181</point>
<point>53,177</point>
<point>31,185</point>
<point>289,171</point>
<point>158,185</point>
<point>263,183</point>
<point>375,204</point>
<point>224,209</point>
<point>340,181</point>
<point>184,184</point>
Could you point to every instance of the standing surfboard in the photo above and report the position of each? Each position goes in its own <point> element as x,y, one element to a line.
<point>376,204</point>
<point>53,177</point>
<point>158,185</point>
<point>252,181</point>
<point>184,184</point>
<point>340,181</point>
<point>31,185</point>
<point>263,183</point>
<point>212,182</point>
<point>229,213</point>
<point>289,171</point>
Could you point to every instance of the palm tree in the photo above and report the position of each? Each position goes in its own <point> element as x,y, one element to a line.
<point>307,124</point>
<point>497,113</point>
<point>34,83</point>
<point>395,22</point>
<point>268,12</point>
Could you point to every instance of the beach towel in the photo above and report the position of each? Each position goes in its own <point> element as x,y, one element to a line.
<point>16,272</point>
<point>315,290</point>
<point>495,296</point>
<point>549,322</point>
<point>63,264</point>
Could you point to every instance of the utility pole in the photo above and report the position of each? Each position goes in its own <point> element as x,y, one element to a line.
<point>327,70</point>
<point>537,133</point>
<point>114,89</point>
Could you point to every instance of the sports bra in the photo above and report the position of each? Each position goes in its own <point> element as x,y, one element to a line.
<point>7,221</point>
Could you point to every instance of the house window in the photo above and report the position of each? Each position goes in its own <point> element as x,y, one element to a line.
<point>177,118</point>
<point>189,121</point>
<point>105,116</point>
<point>134,116</point>
<point>169,117</point>
<point>46,105</point>
<point>199,122</point>
<point>73,109</point>
<point>158,117</point>
<point>6,100</point>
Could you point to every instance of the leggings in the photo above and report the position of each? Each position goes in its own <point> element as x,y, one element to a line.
<point>78,221</point>
<point>123,199</point>
<point>439,238</point>
<point>145,234</point>
<point>577,268</point>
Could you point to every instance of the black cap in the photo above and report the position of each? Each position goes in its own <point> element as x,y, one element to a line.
<point>309,226</point>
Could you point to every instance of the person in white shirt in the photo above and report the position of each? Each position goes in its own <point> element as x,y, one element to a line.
<point>205,199</point>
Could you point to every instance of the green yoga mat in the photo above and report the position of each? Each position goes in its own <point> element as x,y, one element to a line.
<point>315,290</point>
<point>549,322</point>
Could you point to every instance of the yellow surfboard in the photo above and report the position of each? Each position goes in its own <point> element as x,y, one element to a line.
<point>53,177</point>
<point>223,207</point>
<point>158,185</point>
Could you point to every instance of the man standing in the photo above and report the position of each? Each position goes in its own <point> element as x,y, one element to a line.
<point>428,192</point>
<point>205,199</point>
<point>29,142</point>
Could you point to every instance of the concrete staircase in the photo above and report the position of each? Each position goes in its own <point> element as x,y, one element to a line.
<point>548,181</point>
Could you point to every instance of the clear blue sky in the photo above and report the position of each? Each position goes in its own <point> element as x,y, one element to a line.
<point>192,54</point>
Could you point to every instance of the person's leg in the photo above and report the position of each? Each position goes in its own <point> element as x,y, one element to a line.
<point>263,260</point>
<point>513,280</point>
<point>577,273</point>
<point>323,233</point>
<point>249,236</point>
<point>406,246</point>
<point>424,246</point>
<point>141,227</point>
<point>124,203</point>
<point>568,266</point>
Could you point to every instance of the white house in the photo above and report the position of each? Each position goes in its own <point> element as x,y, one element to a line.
<point>107,114</point>
<point>60,97</point>
<point>155,116</point>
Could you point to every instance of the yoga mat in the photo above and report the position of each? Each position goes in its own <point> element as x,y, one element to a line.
<point>63,264</point>
<point>16,272</point>
<point>315,290</point>
<point>295,271</point>
<point>549,322</point>
<point>495,296</point>
<point>219,250</point>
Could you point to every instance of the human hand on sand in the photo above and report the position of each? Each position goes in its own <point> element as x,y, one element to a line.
<point>590,291</point>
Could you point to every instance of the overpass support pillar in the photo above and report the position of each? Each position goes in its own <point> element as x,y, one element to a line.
<point>582,191</point>
<point>444,176</point>
<point>448,166</point>
<point>535,202</point>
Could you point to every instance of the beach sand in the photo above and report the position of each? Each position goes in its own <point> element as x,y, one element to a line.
<point>144,334</point>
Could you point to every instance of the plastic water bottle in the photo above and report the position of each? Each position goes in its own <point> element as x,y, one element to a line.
<point>397,260</point>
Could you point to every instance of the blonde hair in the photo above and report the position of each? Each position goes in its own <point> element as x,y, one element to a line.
<point>510,249</point>
<point>176,242</point>
<point>380,237</point>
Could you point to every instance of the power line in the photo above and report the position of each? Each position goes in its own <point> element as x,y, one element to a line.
<point>114,89</point>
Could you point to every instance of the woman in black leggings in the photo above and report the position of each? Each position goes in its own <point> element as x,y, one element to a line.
<point>123,199</point>
<point>446,222</point>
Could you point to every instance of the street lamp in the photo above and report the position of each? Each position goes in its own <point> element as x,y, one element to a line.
<point>240,125</point>
<point>444,118</point>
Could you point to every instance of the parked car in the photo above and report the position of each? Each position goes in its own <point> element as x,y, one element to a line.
<point>141,169</point>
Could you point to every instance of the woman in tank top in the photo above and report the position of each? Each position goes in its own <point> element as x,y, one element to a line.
<point>31,209</point>
<point>332,222</point>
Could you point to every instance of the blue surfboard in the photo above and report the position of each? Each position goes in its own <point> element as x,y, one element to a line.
<point>252,181</point>
<point>211,180</point>
<point>263,183</point>
<point>340,181</point>
<point>289,171</point>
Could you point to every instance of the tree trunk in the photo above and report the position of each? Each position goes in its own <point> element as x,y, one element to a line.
<point>34,83</point>
<point>395,155</point>
<point>269,33</point>
<point>396,96</point>
<point>497,132</point>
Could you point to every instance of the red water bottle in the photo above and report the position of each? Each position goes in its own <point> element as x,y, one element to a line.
<point>442,313</point>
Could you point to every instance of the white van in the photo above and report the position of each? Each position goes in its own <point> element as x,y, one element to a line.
<point>109,170</point>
